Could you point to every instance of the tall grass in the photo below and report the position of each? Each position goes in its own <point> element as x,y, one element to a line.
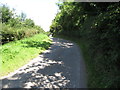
<point>17,53</point>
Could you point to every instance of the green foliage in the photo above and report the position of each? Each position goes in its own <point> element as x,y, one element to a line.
<point>14,33</point>
<point>17,53</point>
<point>6,14</point>
<point>29,22</point>
<point>98,25</point>
<point>23,16</point>
<point>48,33</point>
<point>25,43</point>
<point>16,27</point>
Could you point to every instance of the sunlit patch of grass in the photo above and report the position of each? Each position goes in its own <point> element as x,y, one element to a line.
<point>17,53</point>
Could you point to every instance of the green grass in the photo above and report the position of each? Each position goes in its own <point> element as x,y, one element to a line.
<point>17,53</point>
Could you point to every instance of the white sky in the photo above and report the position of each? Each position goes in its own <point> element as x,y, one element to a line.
<point>41,11</point>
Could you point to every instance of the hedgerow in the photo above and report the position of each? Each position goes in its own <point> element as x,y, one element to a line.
<point>98,25</point>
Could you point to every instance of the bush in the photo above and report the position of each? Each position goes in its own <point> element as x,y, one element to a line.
<point>14,33</point>
<point>16,27</point>
<point>105,38</point>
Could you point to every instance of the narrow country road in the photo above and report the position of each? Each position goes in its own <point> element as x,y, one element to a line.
<point>61,66</point>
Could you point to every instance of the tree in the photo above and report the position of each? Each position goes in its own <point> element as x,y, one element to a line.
<point>29,22</point>
<point>23,16</point>
<point>6,14</point>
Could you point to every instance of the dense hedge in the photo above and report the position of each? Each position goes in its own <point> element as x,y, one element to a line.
<point>16,27</point>
<point>97,24</point>
<point>104,37</point>
<point>14,33</point>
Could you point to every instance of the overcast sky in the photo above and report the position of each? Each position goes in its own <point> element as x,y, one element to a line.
<point>41,11</point>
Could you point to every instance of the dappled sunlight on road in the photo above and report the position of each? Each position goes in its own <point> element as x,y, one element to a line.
<point>48,81</point>
<point>31,75</point>
<point>57,67</point>
<point>66,44</point>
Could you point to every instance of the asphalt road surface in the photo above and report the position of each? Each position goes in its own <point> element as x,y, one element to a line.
<point>61,66</point>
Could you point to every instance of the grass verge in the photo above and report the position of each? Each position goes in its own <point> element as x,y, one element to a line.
<point>17,53</point>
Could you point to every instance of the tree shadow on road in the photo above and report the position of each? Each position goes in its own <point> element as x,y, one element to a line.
<point>31,77</point>
<point>44,71</point>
